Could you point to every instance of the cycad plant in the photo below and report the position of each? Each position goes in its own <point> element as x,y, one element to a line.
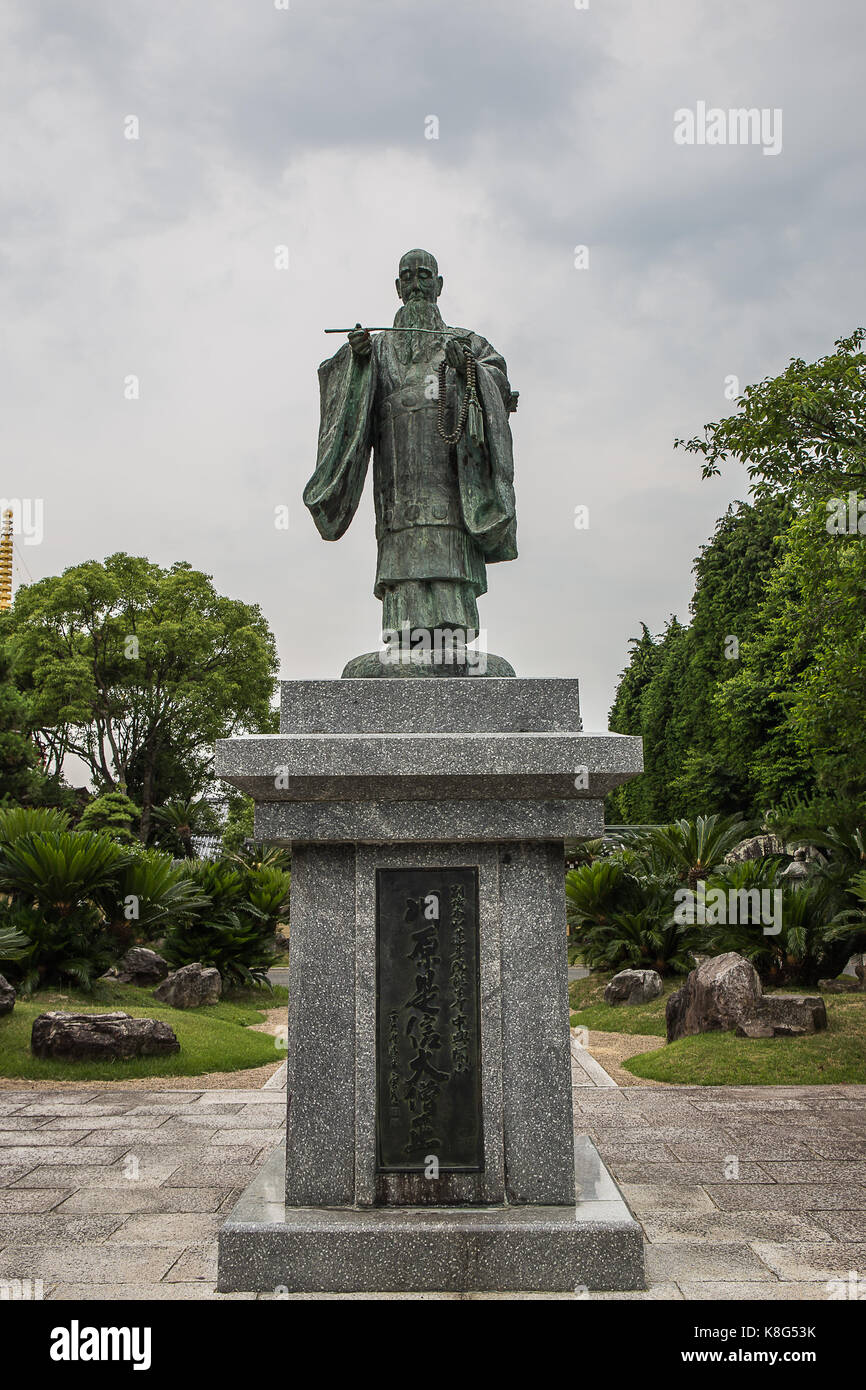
<point>258,855</point>
<point>647,939</point>
<point>55,878</point>
<point>147,894</point>
<point>13,943</point>
<point>619,919</point>
<point>231,932</point>
<point>16,821</point>
<point>812,940</point>
<point>688,850</point>
<point>176,822</point>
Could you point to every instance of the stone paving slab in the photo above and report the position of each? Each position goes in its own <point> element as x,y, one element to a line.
<point>35,1200</point>
<point>799,1260</point>
<point>93,1264</point>
<point>759,1292</point>
<point>719,1228</point>
<point>136,1293</point>
<point>55,1229</point>
<point>142,1198</point>
<point>74,1213</point>
<point>842,1225</point>
<point>732,1261</point>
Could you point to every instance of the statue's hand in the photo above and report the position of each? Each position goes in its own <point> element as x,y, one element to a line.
<point>360,342</point>
<point>455,353</point>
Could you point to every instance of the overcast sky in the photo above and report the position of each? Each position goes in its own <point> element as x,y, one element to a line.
<point>261,127</point>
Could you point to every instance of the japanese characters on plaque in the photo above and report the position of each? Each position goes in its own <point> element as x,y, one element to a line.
<point>428,1045</point>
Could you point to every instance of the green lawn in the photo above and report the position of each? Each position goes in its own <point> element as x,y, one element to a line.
<point>213,1038</point>
<point>837,1056</point>
<point>589,1010</point>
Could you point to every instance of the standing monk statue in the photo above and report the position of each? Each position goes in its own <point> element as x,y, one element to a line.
<point>432,402</point>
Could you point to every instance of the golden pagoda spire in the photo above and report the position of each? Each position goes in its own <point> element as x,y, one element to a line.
<point>6,560</point>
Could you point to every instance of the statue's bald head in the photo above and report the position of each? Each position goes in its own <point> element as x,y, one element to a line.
<point>419,277</point>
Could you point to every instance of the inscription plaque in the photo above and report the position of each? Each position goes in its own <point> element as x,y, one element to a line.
<point>428,1054</point>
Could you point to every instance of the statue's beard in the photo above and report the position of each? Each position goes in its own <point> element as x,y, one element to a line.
<point>415,347</point>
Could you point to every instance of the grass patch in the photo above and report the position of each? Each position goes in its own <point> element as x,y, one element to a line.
<point>586,998</point>
<point>834,1057</point>
<point>213,1038</point>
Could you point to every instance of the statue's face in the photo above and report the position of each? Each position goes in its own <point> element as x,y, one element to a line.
<point>418,280</point>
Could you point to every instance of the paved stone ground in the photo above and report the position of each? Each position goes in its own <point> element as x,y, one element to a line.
<point>121,1193</point>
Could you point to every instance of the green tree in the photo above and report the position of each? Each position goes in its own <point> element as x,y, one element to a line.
<point>801,434</point>
<point>633,802</point>
<point>137,669</point>
<point>22,780</point>
<point>114,813</point>
<point>239,824</point>
<point>672,693</point>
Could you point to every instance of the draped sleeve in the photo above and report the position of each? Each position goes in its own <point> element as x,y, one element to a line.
<point>486,472</point>
<point>346,389</point>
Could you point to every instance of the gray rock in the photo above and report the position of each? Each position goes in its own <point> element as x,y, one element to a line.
<point>141,967</point>
<point>725,994</point>
<point>7,997</point>
<point>793,1014</point>
<point>755,1028</point>
<point>100,1037</point>
<point>756,847</point>
<point>719,994</point>
<point>633,987</point>
<point>190,987</point>
<point>841,985</point>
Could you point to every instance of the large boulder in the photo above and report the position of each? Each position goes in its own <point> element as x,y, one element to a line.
<point>190,987</point>
<point>633,987</point>
<point>100,1037</point>
<point>7,997</point>
<point>724,994</point>
<point>140,966</point>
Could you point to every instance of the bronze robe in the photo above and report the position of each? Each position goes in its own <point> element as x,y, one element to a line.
<point>443,511</point>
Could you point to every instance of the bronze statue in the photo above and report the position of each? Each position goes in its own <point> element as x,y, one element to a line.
<point>432,402</point>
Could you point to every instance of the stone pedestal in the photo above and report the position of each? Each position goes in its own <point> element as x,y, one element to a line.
<point>429,1139</point>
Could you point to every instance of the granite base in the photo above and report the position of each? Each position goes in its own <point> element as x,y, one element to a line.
<point>266,1246</point>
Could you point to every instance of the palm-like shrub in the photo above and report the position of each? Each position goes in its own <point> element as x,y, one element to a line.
<point>145,896</point>
<point>618,919</point>
<point>813,941</point>
<point>59,869</point>
<point>647,939</point>
<point>268,889</point>
<point>13,943</point>
<point>16,821</point>
<point>176,822</point>
<point>594,892</point>
<point>230,931</point>
<point>847,931</point>
<point>688,850</point>
<point>259,855</point>
<point>829,821</point>
<point>55,878</point>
